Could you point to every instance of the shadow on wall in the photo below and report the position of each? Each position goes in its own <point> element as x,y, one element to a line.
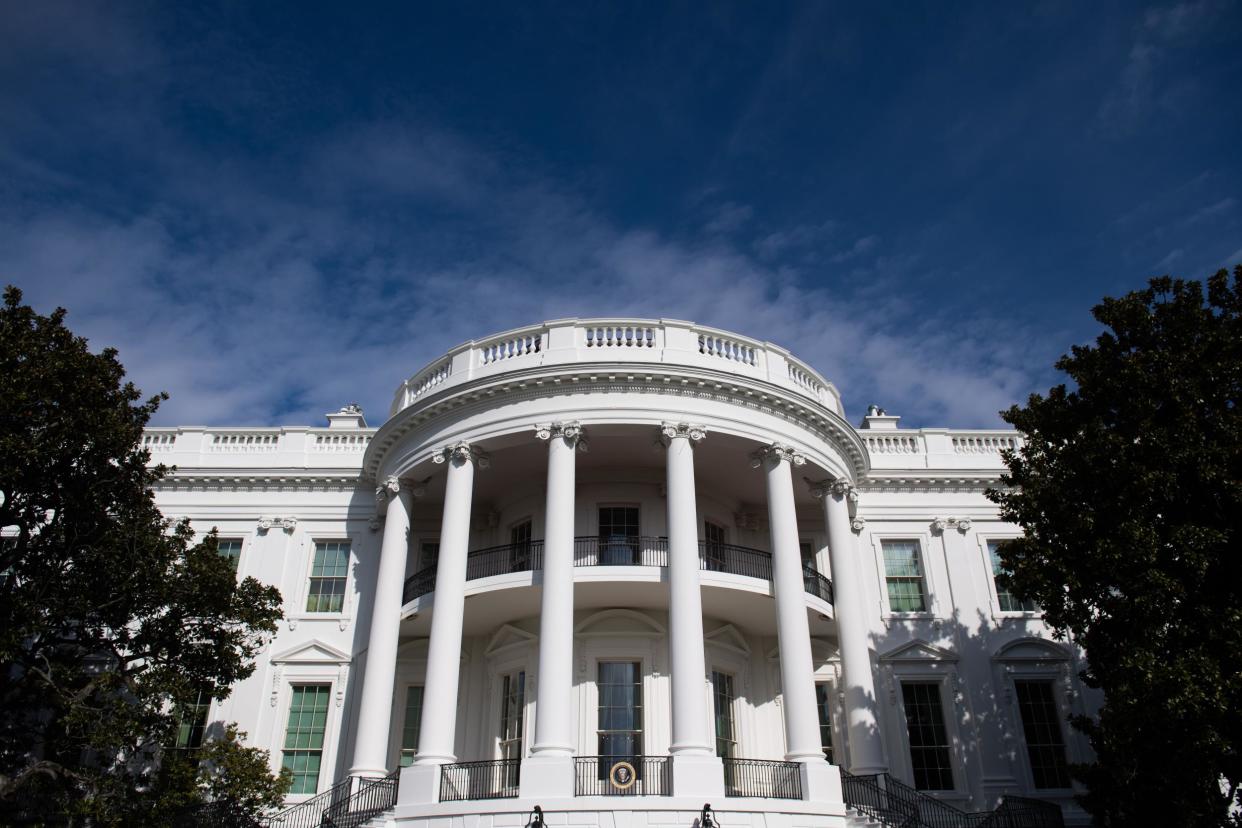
<point>975,667</point>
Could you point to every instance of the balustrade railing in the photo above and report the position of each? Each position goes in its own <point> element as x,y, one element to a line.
<point>623,776</point>
<point>489,779</point>
<point>762,777</point>
<point>591,550</point>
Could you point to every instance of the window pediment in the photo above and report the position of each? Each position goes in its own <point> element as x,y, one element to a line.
<point>312,652</point>
<point>918,652</point>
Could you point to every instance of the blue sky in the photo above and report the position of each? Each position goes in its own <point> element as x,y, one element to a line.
<point>272,210</point>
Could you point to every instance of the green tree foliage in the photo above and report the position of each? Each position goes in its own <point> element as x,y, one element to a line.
<point>1129,489</point>
<point>111,616</point>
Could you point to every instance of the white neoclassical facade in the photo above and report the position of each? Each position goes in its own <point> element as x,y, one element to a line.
<point>619,569</point>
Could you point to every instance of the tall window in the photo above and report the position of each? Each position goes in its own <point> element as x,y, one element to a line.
<point>714,546</point>
<point>1008,601</point>
<point>192,721</point>
<point>230,548</point>
<point>512,724</point>
<point>929,740</point>
<point>903,572</point>
<point>618,536</point>
<point>620,714</point>
<point>512,710</point>
<point>409,728</point>
<point>519,546</point>
<point>1041,725</point>
<point>726,730</point>
<point>328,574</point>
<point>428,554</point>
<point>823,702</point>
<point>303,751</point>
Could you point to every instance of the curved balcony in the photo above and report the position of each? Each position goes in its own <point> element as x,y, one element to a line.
<point>629,551</point>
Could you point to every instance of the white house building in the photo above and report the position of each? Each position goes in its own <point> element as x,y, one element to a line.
<point>621,569</point>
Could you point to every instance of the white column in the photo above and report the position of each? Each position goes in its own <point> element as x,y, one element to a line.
<point>793,631</point>
<point>549,771</point>
<point>820,781</point>
<point>685,613</point>
<point>696,769</point>
<point>862,722</point>
<point>439,721</point>
<point>375,711</point>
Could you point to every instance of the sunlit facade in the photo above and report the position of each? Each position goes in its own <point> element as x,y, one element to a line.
<point>618,569</point>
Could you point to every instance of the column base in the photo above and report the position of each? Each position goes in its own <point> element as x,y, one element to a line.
<point>419,785</point>
<point>547,777</point>
<point>821,782</point>
<point>698,775</point>
<point>368,773</point>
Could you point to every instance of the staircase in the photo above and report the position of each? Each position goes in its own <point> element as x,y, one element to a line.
<point>354,802</point>
<point>880,800</point>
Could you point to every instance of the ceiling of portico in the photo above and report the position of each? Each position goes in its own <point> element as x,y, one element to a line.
<point>621,453</point>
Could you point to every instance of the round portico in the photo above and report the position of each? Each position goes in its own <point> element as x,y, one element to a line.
<point>637,457</point>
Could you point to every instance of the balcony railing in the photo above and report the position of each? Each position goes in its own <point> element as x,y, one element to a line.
<point>490,779</point>
<point>606,776</point>
<point>617,551</point>
<point>762,777</point>
<point>620,551</point>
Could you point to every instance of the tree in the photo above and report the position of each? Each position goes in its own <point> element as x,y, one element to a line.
<point>112,618</point>
<point>1129,489</point>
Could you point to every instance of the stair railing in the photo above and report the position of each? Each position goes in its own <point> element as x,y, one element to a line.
<point>896,804</point>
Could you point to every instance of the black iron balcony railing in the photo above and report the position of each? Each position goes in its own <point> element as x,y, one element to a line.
<point>617,551</point>
<point>893,802</point>
<point>762,777</point>
<point>620,550</point>
<point>490,779</point>
<point>623,776</point>
<point>371,798</point>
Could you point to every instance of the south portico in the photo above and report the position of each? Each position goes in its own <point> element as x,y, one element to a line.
<point>548,772</point>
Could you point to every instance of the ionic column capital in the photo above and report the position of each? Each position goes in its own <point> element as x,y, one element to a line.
<point>571,432</point>
<point>940,524</point>
<point>858,523</point>
<point>286,523</point>
<point>777,452</point>
<point>671,431</point>
<point>459,453</point>
<point>833,488</point>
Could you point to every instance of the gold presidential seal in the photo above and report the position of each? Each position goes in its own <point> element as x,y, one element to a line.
<point>622,775</point>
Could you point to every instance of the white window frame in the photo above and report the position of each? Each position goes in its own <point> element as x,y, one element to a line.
<point>516,658</point>
<point>944,672</point>
<point>345,615</point>
<point>925,562</point>
<point>244,539</point>
<point>1058,669</point>
<point>999,615</point>
<point>292,674</point>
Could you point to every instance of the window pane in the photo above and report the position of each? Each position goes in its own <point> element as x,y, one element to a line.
<point>620,730</point>
<point>929,740</point>
<point>722,696</point>
<point>303,749</point>
<point>193,721</point>
<point>1041,725</point>
<point>409,729</point>
<point>1007,600</point>
<point>230,548</point>
<point>328,576</point>
<point>904,576</point>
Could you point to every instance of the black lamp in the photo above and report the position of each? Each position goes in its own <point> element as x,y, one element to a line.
<point>705,817</point>
<point>536,818</point>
